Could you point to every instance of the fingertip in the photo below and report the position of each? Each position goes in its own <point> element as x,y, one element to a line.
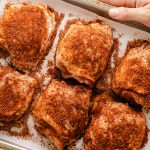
<point>114,13</point>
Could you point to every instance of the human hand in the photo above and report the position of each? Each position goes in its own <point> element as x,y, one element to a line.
<point>130,10</point>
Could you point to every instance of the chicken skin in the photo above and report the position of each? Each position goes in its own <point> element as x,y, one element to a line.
<point>61,113</point>
<point>84,50</point>
<point>132,76</point>
<point>114,126</point>
<point>16,93</point>
<point>26,31</point>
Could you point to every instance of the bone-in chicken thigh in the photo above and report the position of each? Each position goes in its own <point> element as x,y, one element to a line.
<point>61,113</point>
<point>114,126</point>
<point>84,51</point>
<point>132,76</point>
<point>26,31</point>
<point>16,94</point>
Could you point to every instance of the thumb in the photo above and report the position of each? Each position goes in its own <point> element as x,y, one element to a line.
<point>141,15</point>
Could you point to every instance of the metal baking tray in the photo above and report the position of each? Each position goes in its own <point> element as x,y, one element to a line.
<point>95,9</point>
<point>102,9</point>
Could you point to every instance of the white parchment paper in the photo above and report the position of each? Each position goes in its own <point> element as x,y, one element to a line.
<point>129,33</point>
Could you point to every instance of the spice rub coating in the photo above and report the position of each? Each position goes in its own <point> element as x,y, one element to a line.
<point>27,31</point>
<point>2,41</point>
<point>84,50</point>
<point>61,113</point>
<point>114,126</point>
<point>16,93</point>
<point>132,76</point>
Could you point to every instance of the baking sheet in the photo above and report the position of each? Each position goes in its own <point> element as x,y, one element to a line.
<point>71,12</point>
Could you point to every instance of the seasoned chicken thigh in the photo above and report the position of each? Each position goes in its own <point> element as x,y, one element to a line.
<point>114,126</point>
<point>26,31</point>
<point>84,51</point>
<point>16,94</point>
<point>61,112</point>
<point>132,76</point>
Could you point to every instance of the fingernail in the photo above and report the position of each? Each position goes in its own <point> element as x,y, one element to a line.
<point>114,12</point>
